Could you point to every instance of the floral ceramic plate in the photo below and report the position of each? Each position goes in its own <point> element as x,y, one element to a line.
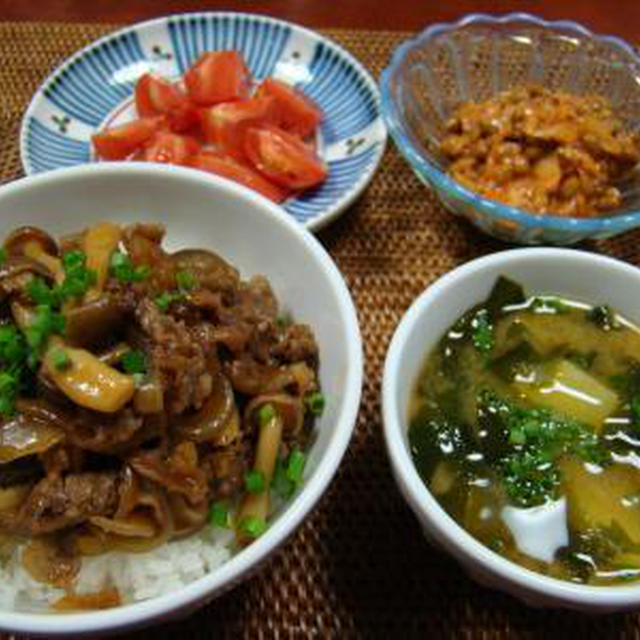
<point>94,88</point>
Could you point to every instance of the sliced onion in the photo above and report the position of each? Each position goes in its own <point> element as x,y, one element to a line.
<point>133,526</point>
<point>96,542</point>
<point>178,473</point>
<point>89,323</point>
<point>47,562</point>
<point>12,497</point>
<point>99,243</point>
<point>149,397</point>
<point>88,381</point>
<point>24,435</point>
<point>187,518</point>
<point>212,422</point>
<point>105,599</point>
<point>114,354</point>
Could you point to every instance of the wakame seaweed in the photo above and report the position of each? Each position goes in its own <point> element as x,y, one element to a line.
<point>529,401</point>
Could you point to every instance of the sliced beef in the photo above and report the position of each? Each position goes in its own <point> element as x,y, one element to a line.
<point>178,472</point>
<point>178,358</point>
<point>56,503</point>
<point>297,344</point>
<point>256,301</point>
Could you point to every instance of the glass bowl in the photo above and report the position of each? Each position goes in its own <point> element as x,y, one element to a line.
<point>477,57</point>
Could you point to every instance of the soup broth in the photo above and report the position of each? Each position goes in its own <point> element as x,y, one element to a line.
<point>525,426</point>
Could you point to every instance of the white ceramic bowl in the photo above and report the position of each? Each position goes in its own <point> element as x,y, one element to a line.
<point>257,237</point>
<point>565,272</point>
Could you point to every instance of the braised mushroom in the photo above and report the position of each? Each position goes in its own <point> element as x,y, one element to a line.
<point>208,268</point>
<point>90,323</point>
<point>87,380</point>
<point>17,271</point>
<point>36,244</point>
<point>214,421</point>
<point>100,241</point>
<point>21,239</point>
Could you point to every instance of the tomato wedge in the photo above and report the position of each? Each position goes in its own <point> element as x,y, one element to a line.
<point>156,96</point>
<point>293,111</point>
<point>117,143</point>
<point>218,76</point>
<point>225,124</point>
<point>230,168</point>
<point>171,148</point>
<point>284,158</point>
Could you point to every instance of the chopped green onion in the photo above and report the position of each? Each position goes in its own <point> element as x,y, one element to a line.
<point>549,305</point>
<point>295,465</point>
<point>252,527</point>
<point>603,316</point>
<point>167,298</point>
<point>134,361</point>
<point>41,293</point>
<point>6,406</point>
<point>254,481</point>
<point>73,259</point>
<point>280,483</point>
<point>141,272</point>
<point>482,336</point>
<point>284,320</point>
<point>266,413</point>
<point>517,436</point>
<point>77,279</point>
<point>45,323</point>
<point>123,270</point>
<point>186,280</point>
<point>8,391</point>
<point>164,300</point>
<point>139,379</point>
<point>60,359</point>
<point>14,375</point>
<point>635,408</point>
<point>219,515</point>
<point>13,349</point>
<point>315,403</point>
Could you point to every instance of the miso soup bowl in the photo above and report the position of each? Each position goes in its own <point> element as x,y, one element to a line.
<point>563,272</point>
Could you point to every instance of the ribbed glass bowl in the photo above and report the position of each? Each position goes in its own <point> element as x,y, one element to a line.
<point>481,55</point>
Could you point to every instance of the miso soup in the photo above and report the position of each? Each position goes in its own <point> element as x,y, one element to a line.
<point>525,426</point>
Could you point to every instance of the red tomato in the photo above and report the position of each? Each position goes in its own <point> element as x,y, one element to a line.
<point>183,118</point>
<point>218,76</point>
<point>228,167</point>
<point>225,124</point>
<point>117,143</point>
<point>156,96</point>
<point>170,148</point>
<point>284,158</point>
<point>293,111</point>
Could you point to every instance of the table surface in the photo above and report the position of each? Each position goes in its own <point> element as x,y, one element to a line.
<point>607,16</point>
<point>358,567</point>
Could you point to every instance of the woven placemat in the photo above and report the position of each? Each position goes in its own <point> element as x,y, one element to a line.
<point>359,566</point>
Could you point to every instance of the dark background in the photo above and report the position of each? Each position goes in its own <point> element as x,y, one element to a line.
<point>611,16</point>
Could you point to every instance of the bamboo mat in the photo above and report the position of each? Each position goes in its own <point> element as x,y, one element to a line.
<point>359,566</point>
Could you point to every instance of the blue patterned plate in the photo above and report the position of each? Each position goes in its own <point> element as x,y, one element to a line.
<point>95,87</point>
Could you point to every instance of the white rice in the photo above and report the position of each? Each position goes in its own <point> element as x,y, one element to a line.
<point>137,576</point>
